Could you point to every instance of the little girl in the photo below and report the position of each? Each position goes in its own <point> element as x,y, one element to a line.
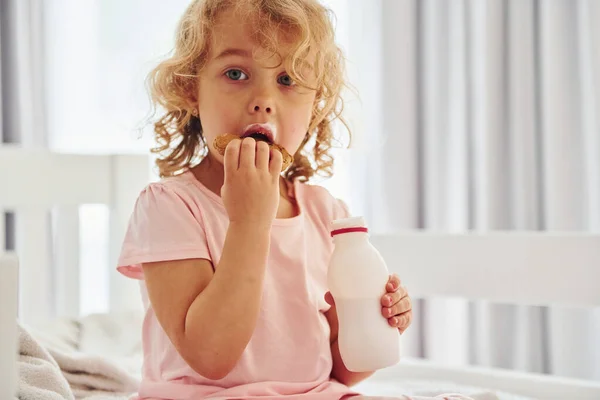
<point>231,252</point>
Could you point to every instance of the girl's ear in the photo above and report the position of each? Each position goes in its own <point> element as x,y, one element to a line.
<point>192,100</point>
<point>192,107</point>
<point>192,96</point>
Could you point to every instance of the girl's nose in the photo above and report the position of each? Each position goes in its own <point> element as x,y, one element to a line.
<point>262,105</point>
<point>263,101</point>
<point>258,108</point>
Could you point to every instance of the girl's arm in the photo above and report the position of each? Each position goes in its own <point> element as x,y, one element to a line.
<point>210,316</point>
<point>339,371</point>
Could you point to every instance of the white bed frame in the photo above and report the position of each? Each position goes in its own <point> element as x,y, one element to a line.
<point>45,190</point>
<point>527,268</point>
<point>515,267</point>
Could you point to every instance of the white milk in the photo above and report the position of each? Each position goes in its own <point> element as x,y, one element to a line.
<point>357,278</point>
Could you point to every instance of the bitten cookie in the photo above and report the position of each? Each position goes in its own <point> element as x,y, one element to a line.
<point>220,144</point>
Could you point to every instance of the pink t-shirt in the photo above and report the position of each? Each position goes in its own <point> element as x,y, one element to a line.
<point>289,353</point>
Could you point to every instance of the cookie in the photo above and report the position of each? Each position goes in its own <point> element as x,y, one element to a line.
<point>220,144</point>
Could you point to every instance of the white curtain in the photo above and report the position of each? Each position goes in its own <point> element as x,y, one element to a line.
<point>23,123</point>
<point>22,108</point>
<point>480,115</point>
<point>22,80</point>
<point>98,55</point>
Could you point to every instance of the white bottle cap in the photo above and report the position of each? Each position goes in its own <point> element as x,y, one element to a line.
<point>344,224</point>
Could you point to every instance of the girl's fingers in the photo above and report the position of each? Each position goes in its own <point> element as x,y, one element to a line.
<point>392,298</point>
<point>262,156</point>
<point>248,153</point>
<point>393,283</point>
<point>232,157</point>
<point>276,163</point>
<point>402,321</point>
<point>400,307</point>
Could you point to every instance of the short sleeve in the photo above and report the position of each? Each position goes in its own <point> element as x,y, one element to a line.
<point>341,210</point>
<point>162,227</point>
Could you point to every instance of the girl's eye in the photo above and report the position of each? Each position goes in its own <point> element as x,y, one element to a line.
<point>236,75</point>
<point>285,80</point>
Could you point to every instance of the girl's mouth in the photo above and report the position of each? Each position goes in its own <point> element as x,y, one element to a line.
<point>259,137</point>
<point>260,132</point>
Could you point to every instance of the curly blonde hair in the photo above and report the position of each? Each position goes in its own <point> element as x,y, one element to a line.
<point>173,82</point>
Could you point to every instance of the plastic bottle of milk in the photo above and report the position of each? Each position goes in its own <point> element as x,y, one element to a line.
<point>357,279</point>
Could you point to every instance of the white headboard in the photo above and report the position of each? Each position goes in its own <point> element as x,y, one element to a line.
<point>34,182</point>
<point>533,268</point>
<point>528,268</point>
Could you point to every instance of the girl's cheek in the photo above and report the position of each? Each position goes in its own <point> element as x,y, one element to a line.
<point>298,136</point>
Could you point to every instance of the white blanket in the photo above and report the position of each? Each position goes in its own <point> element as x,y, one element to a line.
<point>39,374</point>
<point>97,354</point>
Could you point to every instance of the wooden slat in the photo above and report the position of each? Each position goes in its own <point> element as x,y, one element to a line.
<point>130,175</point>
<point>66,260</point>
<point>42,178</point>
<point>34,251</point>
<point>505,267</point>
<point>8,327</point>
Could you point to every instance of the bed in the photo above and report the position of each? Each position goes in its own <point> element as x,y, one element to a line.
<point>32,182</point>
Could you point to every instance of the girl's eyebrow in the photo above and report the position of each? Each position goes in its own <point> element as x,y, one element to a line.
<point>229,52</point>
<point>233,52</point>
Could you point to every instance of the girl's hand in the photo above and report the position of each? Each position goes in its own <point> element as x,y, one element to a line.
<point>250,191</point>
<point>396,304</point>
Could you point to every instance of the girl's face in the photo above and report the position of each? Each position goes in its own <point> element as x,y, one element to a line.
<point>239,87</point>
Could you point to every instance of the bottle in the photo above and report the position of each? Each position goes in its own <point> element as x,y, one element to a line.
<point>357,279</point>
